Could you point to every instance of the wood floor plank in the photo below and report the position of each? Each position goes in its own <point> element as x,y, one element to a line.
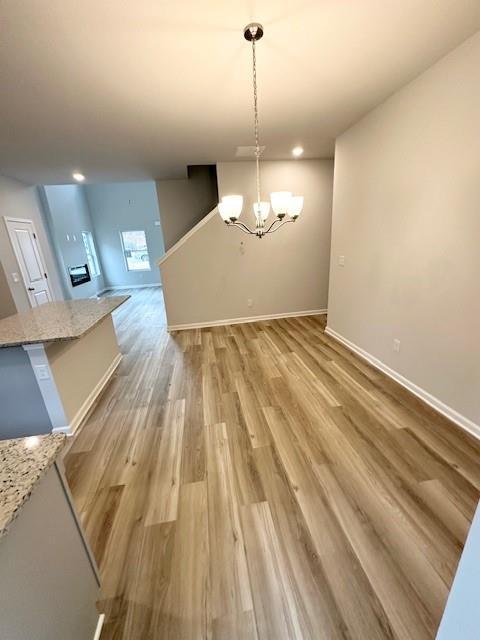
<point>185,611</point>
<point>165,480</point>
<point>276,611</point>
<point>149,588</point>
<point>362,614</point>
<point>406,613</point>
<point>231,595</point>
<point>319,616</point>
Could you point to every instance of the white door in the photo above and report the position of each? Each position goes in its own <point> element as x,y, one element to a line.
<point>30,261</point>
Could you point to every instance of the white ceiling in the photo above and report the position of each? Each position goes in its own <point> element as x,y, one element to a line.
<point>133,89</point>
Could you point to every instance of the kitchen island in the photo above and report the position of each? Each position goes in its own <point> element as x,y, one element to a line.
<point>55,360</point>
<point>48,578</point>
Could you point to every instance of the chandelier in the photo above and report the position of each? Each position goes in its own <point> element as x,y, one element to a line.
<point>285,205</point>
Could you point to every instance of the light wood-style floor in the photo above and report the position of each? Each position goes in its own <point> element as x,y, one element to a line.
<point>260,481</point>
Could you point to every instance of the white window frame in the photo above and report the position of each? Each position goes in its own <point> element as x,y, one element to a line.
<point>149,268</point>
<point>91,251</point>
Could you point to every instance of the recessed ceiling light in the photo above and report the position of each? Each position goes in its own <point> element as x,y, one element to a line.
<point>79,177</point>
<point>297,151</point>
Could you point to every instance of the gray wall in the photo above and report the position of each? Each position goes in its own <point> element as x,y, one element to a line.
<point>47,585</point>
<point>406,216</point>
<point>67,212</point>
<point>183,203</point>
<point>19,200</point>
<point>125,206</point>
<point>214,274</point>
<point>7,303</point>
<point>21,402</point>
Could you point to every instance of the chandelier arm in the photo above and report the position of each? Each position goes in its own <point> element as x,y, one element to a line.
<point>243,227</point>
<point>282,222</point>
<point>272,225</point>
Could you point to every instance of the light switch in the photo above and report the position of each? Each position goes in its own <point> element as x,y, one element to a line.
<point>15,277</point>
<point>341,261</point>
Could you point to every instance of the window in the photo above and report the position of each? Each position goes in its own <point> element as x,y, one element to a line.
<point>135,250</point>
<point>91,252</point>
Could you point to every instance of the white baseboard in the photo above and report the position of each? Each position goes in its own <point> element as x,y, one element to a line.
<point>90,399</point>
<point>453,415</point>
<point>130,286</point>
<point>98,630</point>
<point>220,323</point>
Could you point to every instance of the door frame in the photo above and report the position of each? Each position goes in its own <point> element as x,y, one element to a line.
<point>14,219</point>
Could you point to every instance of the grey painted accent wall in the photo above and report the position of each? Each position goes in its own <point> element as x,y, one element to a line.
<point>67,213</point>
<point>126,206</point>
<point>406,217</point>
<point>21,402</point>
<point>183,203</point>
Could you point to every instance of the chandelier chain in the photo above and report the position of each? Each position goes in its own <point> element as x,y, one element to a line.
<point>255,108</point>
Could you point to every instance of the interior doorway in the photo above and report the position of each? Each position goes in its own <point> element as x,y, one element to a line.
<point>31,263</point>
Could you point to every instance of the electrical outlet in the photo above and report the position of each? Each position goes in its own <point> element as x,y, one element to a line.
<point>250,302</point>
<point>396,345</point>
<point>341,261</point>
<point>42,372</point>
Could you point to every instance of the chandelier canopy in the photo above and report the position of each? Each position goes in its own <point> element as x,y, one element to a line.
<point>285,205</point>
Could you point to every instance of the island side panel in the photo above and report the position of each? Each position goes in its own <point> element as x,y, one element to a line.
<point>82,367</point>
<point>48,589</point>
<point>23,411</point>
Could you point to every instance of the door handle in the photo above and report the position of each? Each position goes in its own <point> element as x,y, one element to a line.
<point>31,288</point>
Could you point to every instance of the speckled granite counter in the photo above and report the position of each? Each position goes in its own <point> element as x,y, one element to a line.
<point>22,463</point>
<point>56,321</point>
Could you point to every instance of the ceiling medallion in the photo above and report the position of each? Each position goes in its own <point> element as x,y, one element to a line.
<point>285,205</point>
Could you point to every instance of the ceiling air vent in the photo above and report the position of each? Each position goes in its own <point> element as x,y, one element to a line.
<point>247,152</point>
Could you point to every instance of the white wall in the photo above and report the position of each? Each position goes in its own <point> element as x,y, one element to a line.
<point>213,275</point>
<point>406,216</point>
<point>19,200</point>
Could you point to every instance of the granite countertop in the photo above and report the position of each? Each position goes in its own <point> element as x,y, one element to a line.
<point>23,462</point>
<point>56,321</point>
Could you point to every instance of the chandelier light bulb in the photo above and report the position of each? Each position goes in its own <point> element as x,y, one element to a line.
<point>230,207</point>
<point>261,211</point>
<point>280,202</point>
<point>295,206</point>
